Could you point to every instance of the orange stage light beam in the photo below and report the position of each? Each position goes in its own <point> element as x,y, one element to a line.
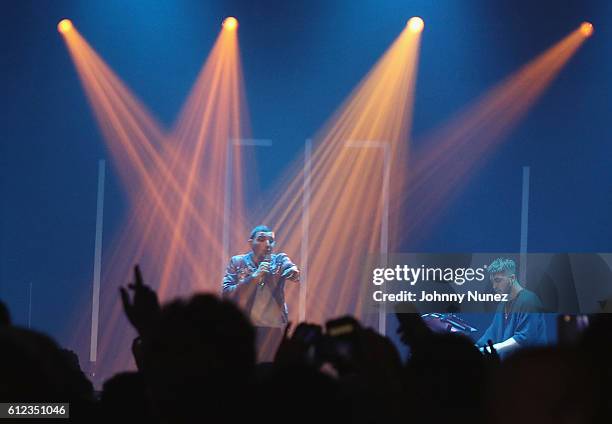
<point>357,170</point>
<point>175,181</point>
<point>453,153</point>
<point>109,114</point>
<point>131,125</point>
<point>169,177</point>
<point>221,122</point>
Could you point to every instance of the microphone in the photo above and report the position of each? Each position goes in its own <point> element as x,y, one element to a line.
<point>267,258</point>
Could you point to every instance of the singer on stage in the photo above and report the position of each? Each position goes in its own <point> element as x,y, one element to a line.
<point>256,281</point>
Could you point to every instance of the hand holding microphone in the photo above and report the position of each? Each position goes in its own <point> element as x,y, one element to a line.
<point>262,270</point>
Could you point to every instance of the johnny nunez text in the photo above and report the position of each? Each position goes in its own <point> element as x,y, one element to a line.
<point>424,296</point>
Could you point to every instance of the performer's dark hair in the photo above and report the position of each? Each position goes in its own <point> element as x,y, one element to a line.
<point>259,228</point>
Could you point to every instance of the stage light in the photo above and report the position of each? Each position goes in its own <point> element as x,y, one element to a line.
<point>415,24</point>
<point>230,23</point>
<point>64,26</point>
<point>586,28</point>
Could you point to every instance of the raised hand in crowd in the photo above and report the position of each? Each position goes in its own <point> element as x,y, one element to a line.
<point>143,309</point>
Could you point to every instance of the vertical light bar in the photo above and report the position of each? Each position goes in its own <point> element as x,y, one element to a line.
<point>384,231</point>
<point>95,299</point>
<point>524,226</point>
<point>227,205</point>
<point>305,230</point>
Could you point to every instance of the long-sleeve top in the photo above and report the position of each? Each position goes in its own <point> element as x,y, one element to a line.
<point>264,303</point>
<point>524,322</point>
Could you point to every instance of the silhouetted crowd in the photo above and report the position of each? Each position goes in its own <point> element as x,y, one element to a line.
<point>196,362</point>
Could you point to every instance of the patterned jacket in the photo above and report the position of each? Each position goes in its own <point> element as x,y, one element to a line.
<point>264,302</point>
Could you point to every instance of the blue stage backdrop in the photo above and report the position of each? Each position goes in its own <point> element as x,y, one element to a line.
<point>300,60</point>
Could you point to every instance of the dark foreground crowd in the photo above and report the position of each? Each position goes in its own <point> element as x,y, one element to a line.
<point>196,363</point>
